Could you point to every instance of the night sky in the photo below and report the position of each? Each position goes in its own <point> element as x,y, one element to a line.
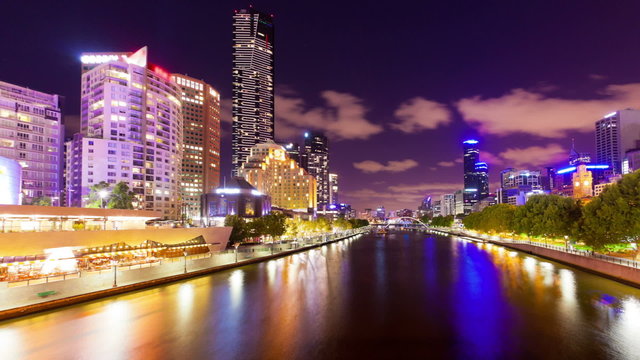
<point>396,86</point>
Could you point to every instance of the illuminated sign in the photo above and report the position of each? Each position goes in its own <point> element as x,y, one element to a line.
<point>470,141</point>
<point>610,114</point>
<point>227,191</point>
<point>101,58</point>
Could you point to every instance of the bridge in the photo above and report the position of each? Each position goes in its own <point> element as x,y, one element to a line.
<point>404,222</point>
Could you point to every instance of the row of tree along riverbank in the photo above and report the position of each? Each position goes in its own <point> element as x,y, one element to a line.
<point>608,222</point>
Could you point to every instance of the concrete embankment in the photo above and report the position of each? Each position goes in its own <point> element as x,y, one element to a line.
<point>20,301</point>
<point>621,273</point>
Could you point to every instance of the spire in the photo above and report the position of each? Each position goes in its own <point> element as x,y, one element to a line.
<point>573,154</point>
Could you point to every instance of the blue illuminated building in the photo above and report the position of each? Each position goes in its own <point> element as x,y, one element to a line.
<point>476,175</point>
<point>235,197</point>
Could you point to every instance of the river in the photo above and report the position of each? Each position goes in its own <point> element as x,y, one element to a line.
<point>403,295</point>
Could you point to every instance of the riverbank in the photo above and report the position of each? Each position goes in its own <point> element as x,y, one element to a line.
<point>25,300</point>
<point>628,275</point>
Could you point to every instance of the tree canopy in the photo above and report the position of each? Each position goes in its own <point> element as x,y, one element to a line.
<point>614,215</point>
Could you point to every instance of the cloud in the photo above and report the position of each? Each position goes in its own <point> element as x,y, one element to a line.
<point>523,111</point>
<point>370,166</point>
<point>490,159</point>
<point>597,77</point>
<point>423,188</point>
<point>419,114</point>
<point>341,118</point>
<point>225,110</point>
<point>534,155</point>
<point>446,163</point>
<point>530,156</point>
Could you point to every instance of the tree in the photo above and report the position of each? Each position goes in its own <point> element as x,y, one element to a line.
<point>356,223</point>
<point>239,230</point>
<point>442,221</point>
<point>94,199</point>
<point>293,228</point>
<point>41,201</point>
<point>274,225</point>
<point>614,215</point>
<point>548,216</point>
<point>341,224</point>
<point>121,197</point>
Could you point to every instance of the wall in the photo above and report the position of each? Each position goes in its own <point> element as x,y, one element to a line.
<point>624,273</point>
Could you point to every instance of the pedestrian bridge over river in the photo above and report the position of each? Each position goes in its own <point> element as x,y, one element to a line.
<point>403,222</point>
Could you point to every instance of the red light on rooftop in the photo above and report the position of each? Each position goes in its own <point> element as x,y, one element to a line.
<point>161,72</point>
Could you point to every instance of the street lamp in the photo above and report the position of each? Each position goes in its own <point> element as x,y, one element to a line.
<point>236,245</point>
<point>185,260</point>
<point>114,263</point>
<point>103,194</point>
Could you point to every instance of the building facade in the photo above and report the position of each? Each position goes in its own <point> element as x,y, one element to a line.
<point>253,86</point>
<point>514,181</point>
<point>10,182</point>
<point>235,197</point>
<point>31,132</point>
<point>476,175</point>
<point>270,170</point>
<point>617,133</point>
<point>334,198</point>
<point>448,204</point>
<point>200,169</point>
<point>131,131</point>
<point>315,160</point>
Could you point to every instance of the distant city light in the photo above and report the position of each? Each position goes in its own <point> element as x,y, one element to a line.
<point>597,166</point>
<point>470,190</point>
<point>227,191</point>
<point>611,114</point>
<point>470,141</point>
<point>566,170</point>
<point>306,134</point>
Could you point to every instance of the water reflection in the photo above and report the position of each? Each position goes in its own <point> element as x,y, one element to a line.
<point>404,295</point>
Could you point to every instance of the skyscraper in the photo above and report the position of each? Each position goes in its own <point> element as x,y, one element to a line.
<point>616,133</point>
<point>200,169</point>
<point>333,189</point>
<point>476,175</point>
<point>316,162</point>
<point>253,86</point>
<point>270,170</point>
<point>31,133</point>
<point>131,131</point>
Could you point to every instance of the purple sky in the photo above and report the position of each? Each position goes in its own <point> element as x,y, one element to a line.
<point>396,86</point>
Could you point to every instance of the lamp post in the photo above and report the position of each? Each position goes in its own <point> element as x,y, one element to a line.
<point>236,245</point>
<point>185,260</point>
<point>114,263</point>
<point>103,194</point>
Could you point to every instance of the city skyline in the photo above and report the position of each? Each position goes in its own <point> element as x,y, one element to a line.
<point>473,89</point>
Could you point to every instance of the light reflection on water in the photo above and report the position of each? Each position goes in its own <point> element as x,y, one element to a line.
<point>375,297</point>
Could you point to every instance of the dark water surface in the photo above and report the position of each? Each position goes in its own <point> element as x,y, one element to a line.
<point>405,295</point>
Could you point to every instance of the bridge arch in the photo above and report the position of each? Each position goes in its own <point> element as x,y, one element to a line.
<point>406,218</point>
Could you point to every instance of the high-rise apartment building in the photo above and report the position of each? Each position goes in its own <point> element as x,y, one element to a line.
<point>130,131</point>
<point>333,189</point>
<point>253,87</point>
<point>616,133</point>
<point>513,181</point>
<point>476,175</point>
<point>31,133</point>
<point>270,170</point>
<point>200,169</point>
<point>448,204</point>
<point>315,160</point>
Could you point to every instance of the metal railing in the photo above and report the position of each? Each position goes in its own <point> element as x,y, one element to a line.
<point>245,253</point>
<point>569,250</point>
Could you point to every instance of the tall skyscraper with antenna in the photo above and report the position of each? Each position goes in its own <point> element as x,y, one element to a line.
<point>253,87</point>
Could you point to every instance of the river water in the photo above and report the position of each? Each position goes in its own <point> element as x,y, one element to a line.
<point>404,295</point>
